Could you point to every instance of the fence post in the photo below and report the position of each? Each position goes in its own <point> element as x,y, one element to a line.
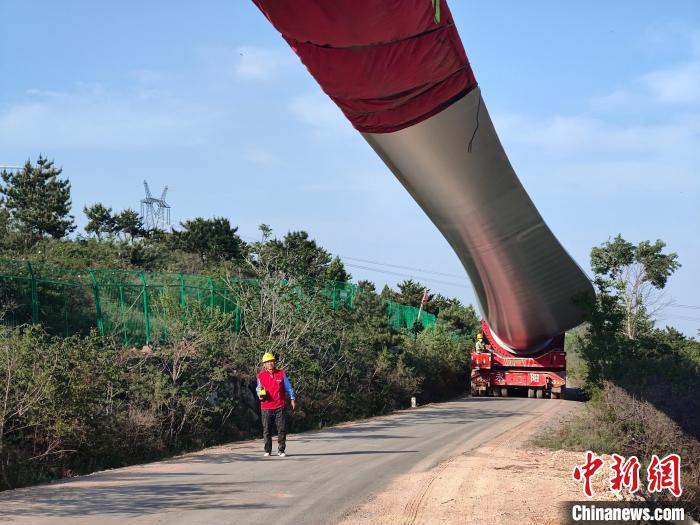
<point>65,311</point>
<point>35,294</point>
<point>122,313</point>
<point>183,304</point>
<point>236,310</point>
<point>146,319</point>
<point>98,306</point>
<point>211,295</point>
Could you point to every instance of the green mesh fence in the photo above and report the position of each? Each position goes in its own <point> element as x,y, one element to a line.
<point>402,316</point>
<point>62,300</point>
<point>134,306</point>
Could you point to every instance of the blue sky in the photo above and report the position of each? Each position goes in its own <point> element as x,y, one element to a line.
<point>597,104</point>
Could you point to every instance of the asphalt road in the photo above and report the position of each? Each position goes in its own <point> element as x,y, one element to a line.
<point>325,474</point>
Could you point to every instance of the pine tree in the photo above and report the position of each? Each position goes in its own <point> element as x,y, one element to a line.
<point>38,201</point>
<point>336,271</point>
<point>129,223</point>
<point>4,221</point>
<point>212,239</point>
<point>100,220</point>
<point>299,256</point>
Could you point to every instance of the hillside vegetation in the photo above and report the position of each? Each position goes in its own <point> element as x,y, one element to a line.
<point>72,403</point>
<point>642,381</point>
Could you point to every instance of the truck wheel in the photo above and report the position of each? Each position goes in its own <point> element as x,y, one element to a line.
<point>555,395</point>
<point>539,393</point>
<point>531,393</point>
<point>504,392</point>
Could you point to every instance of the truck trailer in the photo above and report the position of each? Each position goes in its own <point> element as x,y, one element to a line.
<point>498,371</point>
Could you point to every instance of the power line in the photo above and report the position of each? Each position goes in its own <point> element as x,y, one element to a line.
<point>687,306</point>
<point>425,271</point>
<point>402,267</point>
<point>679,318</point>
<point>389,272</point>
<point>431,279</point>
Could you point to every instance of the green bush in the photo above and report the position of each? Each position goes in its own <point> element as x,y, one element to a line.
<point>616,422</point>
<point>82,403</point>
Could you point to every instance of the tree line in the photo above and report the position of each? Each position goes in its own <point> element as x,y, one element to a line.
<point>36,222</point>
<point>642,379</point>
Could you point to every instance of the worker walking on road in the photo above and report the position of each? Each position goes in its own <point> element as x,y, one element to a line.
<point>273,390</point>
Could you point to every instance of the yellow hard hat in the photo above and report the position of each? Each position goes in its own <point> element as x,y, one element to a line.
<point>268,357</point>
<point>479,336</point>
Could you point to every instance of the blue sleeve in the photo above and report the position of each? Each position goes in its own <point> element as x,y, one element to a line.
<point>288,388</point>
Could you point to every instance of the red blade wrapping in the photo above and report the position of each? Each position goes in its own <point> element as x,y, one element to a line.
<point>388,64</point>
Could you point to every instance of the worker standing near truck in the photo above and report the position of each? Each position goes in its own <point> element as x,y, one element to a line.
<point>273,390</point>
<point>479,347</point>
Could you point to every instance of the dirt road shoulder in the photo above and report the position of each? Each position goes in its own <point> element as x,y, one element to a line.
<point>506,481</point>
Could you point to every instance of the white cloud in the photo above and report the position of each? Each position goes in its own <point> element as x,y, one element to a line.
<point>149,77</point>
<point>262,156</point>
<point>149,109</point>
<point>331,187</point>
<point>259,63</point>
<point>605,154</point>
<point>557,133</point>
<point>319,112</point>
<point>220,65</point>
<point>585,134</point>
<point>619,100</point>
<point>626,177</point>
<point>92,117</point>
<point>345,184</point>
<point>675,85</point>
<point>34,92</point>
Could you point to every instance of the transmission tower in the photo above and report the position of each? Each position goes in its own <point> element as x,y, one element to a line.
<point>155,213</point>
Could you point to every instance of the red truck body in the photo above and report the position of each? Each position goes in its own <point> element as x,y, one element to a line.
<point>497,371</point>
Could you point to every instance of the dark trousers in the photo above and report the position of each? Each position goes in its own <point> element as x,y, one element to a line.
<point>279,415</point>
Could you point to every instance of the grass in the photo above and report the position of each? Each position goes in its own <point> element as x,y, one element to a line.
<point>614,421</point>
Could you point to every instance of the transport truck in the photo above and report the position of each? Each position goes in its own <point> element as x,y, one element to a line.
<point>536,372</point>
